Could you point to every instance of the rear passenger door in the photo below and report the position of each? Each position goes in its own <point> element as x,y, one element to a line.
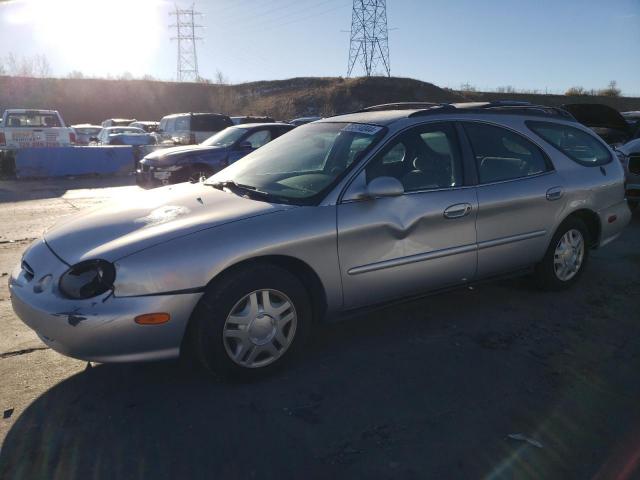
<point>518,198</point>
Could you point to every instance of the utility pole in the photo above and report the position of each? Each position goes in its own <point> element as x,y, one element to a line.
<point>369,44</point>
<point>185,26</point>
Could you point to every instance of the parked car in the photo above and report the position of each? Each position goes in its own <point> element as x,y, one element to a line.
<point>303,120</point>
<point>618,132</point>
<point>191,128</point>
<point>337,215</point>
<point>606,121</point>
<point>22,128</point>
<point>629,156</point>
<point>251,119</point>
<point>147,126</point>
<point>181,164</point>
<point>117,122</point>
<point>632,117</point>
<point>123,136</point>
<point>85,132</point>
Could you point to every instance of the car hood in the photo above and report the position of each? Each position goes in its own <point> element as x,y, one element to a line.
<point>186,149</point>
<point>149,218</point>
<point>597,115</point>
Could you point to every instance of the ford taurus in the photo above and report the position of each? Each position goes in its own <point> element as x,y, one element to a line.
<point>343,213</point>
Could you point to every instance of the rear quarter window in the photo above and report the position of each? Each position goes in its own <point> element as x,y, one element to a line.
<point>580,146</point>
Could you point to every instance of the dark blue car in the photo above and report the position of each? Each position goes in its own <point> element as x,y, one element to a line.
<point>191,162</point>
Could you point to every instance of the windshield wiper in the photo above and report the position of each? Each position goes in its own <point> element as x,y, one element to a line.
<point>250,189</point>
<point>233,184</point>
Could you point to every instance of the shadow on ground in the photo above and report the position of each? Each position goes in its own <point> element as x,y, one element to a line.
<point>428,389</point>
<point>38,189</point>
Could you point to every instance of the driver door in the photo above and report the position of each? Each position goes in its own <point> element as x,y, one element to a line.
<point>423,239</point>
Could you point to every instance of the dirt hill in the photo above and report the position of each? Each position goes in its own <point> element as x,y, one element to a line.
<point>89,100</point>
<point>92,100</point>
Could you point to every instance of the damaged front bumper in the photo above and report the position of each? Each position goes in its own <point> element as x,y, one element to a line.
<point>100,329</point>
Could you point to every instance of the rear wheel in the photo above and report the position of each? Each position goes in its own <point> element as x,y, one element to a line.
<point>565,258</point>
<point>251,321</point>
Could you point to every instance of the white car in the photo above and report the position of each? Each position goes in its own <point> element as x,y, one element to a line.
<point>24,128</point>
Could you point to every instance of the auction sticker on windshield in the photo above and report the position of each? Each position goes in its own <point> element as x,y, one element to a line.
<point>362,128</point>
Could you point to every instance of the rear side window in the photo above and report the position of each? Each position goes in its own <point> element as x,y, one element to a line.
<point>576,144</point>
<point>33,120</point>
<point>210,123</point>
<point>504,155</point>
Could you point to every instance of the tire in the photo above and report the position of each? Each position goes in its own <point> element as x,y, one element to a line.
<point>217,337</point>
<point>550,278</point>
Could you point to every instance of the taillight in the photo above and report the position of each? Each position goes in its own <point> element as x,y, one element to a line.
<point>192,138</point>
<point>3,139</point>
<point>72,137</point>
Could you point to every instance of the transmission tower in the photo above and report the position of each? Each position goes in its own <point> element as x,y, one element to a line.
<point>185,27</point>
<point>369,44</point>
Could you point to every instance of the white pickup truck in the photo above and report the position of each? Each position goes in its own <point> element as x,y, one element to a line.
<point>22,128</point>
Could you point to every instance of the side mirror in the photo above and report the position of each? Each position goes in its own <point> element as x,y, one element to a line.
<point>384,187</point>
<point>245,146</point>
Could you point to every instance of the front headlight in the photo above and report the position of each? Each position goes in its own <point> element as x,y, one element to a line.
<point>87,279</point>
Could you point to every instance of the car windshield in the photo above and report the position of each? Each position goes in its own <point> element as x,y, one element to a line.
<point>225,138</point>
<point>302,165</point>
<point>88,130</point>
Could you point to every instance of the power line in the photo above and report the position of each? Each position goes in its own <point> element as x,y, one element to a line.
<point>185,26</point>
<point>369,42</point>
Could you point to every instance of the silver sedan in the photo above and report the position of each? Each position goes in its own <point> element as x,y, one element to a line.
<point>347,212</point>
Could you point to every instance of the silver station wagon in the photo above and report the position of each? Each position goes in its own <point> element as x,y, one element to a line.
<point>336,215</point>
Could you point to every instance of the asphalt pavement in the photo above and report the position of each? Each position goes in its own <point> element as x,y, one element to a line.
<point>498,381</point>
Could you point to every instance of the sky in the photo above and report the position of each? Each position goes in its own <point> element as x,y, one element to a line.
<point>547,45</point>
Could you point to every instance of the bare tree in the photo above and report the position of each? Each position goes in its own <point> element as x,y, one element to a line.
<point>612,90</point>
<point>467,87</point>
<point>35,66</point>
<point>220,78</point>
<point>41,66</point>
<point>576,91</point>
<point>75,74</point>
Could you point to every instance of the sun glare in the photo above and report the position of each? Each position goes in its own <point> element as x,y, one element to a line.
<point>96,36</point>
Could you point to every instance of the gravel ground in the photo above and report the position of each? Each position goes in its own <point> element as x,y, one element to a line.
<point>498,381</point>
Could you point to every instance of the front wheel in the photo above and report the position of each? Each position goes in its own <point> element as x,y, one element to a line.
<point>251,321</point>
<point>566,257</point>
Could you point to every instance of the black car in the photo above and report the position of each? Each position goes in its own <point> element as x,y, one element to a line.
<point>606,121</point>
<point>191,162</point>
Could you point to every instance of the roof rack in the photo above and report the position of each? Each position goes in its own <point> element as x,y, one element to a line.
<point>507,107</point>
<point>407,106</point>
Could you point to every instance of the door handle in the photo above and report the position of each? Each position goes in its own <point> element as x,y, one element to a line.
<point>458,210</point>
<point>554,193</point>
